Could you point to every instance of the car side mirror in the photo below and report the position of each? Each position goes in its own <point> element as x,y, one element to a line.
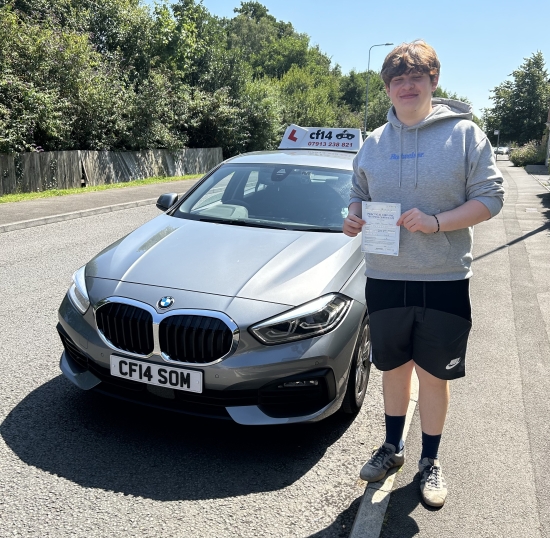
<point>166,201</point>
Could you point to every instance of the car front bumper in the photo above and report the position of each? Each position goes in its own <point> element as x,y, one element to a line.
<point>247,386</point>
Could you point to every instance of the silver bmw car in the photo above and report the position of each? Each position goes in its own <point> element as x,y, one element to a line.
<point>243,300</point>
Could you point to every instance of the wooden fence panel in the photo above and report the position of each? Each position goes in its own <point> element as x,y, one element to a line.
<point>89,160</point>
<point>30,179</point>
<point>109,167</point>
<point>7,174</point>
<point>138,164</point>
<point>106,167</point>
<point>197,161</point>
<point>162,162</point>
<point>68,170</point>
<point>50,170</point>
<point>44,180</point>
<point>172,163</point>
<point>98,168</point>
<point>64,169</point>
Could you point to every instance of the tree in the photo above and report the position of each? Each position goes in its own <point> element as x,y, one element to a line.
<point>353,94</point>
<point>122,75</point>
<point>520,105</point>
<point>309,99</point>
<point>352,90</point>
<point>57,92</point>
<point>262,108</point>
<point>271,47</point>
<point>216,120</point>
<point>254,10</point>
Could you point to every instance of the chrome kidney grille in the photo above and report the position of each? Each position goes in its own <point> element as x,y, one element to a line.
<point>196,339</point>
<point>127,327</point>
<point>185,336</point>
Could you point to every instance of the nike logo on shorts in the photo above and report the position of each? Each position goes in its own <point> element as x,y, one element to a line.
<point>453,363</point>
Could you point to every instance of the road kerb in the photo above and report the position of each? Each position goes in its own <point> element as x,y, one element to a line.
<point>73,215</point>
<point>372,510</point>
<point>535,177</point>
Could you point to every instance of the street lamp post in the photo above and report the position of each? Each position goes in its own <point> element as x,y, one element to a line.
<point>368,78</point>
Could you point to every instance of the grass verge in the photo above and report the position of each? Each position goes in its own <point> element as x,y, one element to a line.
<point>24,196</point>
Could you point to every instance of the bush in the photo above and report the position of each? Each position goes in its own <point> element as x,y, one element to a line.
<point>531,153</point>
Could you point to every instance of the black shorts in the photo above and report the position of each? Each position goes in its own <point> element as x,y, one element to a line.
<point>427,322</point>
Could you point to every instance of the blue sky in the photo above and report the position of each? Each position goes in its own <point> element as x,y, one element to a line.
<point>479,43</point>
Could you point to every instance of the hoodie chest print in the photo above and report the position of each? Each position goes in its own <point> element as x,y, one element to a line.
<point>395,156</point>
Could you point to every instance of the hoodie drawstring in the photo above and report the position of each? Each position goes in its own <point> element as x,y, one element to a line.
<point>416,161</point>
<point>401,156</point>
<point>400,152</point>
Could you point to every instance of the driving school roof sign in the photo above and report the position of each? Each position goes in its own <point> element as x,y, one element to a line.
<point>325,138</point>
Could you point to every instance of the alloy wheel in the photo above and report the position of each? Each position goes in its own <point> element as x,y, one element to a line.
<point>362,365</point>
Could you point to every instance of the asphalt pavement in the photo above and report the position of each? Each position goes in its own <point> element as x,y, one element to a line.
<point>79,465</point>
<point>497,435</point>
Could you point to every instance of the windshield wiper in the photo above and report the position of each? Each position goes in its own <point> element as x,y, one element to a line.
<point>241,223</point>
<point>330,230</point>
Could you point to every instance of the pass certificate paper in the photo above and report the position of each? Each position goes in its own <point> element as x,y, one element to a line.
<point>380,233</point>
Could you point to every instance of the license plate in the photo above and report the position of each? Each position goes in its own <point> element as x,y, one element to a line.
<point>156,374</point>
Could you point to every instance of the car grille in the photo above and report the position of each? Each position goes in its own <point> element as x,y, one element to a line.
<point>194,339</point>
<point>185,338</point>
<point>127,327</point>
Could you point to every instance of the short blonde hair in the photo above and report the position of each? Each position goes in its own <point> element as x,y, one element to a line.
<point>408,57</point>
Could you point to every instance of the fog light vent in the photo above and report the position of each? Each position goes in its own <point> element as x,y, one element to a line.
<point>300,394</point>
<point>300,383</point>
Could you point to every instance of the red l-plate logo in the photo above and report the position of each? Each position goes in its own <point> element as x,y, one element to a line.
<point>292,136</point>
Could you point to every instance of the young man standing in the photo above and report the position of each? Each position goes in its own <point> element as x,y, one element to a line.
<point>433,160</point>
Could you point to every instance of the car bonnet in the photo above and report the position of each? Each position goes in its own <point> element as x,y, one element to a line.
<point>280,266</point>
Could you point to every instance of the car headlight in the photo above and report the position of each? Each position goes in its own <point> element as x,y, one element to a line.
<point>78,294</point>
<point>311,319</point>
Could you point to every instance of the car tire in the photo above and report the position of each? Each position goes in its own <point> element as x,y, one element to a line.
<point>359,372</point>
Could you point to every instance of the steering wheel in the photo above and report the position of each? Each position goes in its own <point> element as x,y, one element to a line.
<point>233,201</point>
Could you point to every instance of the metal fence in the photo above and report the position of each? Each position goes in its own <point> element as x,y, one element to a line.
<point>33,172</point>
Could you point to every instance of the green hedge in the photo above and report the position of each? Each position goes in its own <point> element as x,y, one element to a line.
<point>531,153</point>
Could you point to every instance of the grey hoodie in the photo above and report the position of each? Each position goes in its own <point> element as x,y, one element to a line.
<point>435,166</point>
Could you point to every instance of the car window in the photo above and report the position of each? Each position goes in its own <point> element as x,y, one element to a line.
<point>214,195</point>
<point>288,195</point>
<point>252,182</point>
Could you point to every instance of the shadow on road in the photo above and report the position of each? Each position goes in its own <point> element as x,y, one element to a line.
<point>99,442</point>
<point>341,526</point>
<point>545,201</point>
<point>544,227</point>
<point>398,523</point>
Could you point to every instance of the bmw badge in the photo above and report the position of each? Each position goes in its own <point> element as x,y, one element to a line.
<point>166,302</point>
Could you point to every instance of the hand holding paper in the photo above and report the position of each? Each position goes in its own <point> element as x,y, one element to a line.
<point>415,220</point>
<point>380,232</point>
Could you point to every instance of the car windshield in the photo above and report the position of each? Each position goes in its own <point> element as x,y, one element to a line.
<point>269,195</point>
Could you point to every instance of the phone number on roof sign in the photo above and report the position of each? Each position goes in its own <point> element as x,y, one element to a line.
<point>331,144</point>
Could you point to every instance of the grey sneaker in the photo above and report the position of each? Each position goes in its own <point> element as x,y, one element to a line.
<point>383,459</point>
<point>432,483</point>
